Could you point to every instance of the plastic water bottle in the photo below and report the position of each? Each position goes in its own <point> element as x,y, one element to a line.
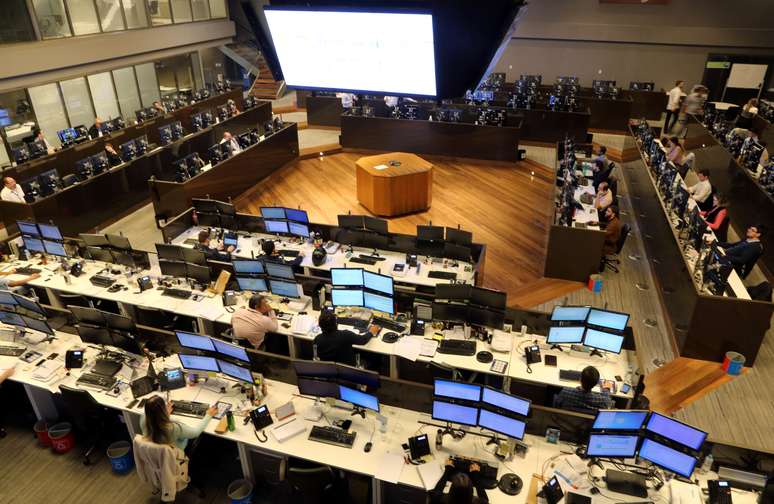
<point>707,465</point>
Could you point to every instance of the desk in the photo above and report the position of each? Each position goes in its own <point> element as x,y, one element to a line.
<point>388,190</point>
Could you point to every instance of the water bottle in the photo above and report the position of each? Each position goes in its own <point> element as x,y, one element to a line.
<point>707,465</point>
<point>230,421</point>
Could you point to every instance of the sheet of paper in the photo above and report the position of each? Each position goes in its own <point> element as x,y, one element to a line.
<point>428,348</point>
<point>390,467</point>
<point>408,347</point>
<point>302,324</point>
<point>210,311</point>
<point>381,167</point>
<point>430,473</point>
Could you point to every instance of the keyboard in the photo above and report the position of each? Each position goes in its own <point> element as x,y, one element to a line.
<point>102,281</point>
<point>569,375</point>
<point>443,275</point>
<point>371,257</point>
<point>176,293</point>
<point>189,408</point>
<point>332,435</point>
<point>25,270</point>
<point>457,347</point>
<point>289,253</point>
<point>357,323</point>
<point>388,324</point>
<point>11,351</point>
<point>363,260</point>
<point>96,381</point>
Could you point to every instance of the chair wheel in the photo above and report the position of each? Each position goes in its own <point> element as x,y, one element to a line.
<point>3,433</point>
<point>86,462</point>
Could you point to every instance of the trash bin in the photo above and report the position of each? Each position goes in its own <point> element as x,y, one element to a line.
<point>733,363</point>
<point>41,431</point>
<point>120,455</point>
<point>240,492</point>
<point>62,438</point>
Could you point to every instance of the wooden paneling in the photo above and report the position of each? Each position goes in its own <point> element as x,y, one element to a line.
<point>648,104</point>
<point>396,190</point>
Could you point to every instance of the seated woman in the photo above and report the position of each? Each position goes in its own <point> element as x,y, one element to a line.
<point>717,217</point>
<point>461,491</point>
<point>159,428</point>
<point>675,151</point>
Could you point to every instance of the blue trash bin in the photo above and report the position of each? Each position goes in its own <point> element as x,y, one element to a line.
<point>240,492</point>
<point>120,455</point>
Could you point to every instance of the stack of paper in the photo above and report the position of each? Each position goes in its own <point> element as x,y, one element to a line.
<point>408,347</point>
<point>302,324</point>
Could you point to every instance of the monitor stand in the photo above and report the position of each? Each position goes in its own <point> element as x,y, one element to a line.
<point>457,434</point>
<point>597,353</point>
<point>556,347</point>
<point>357,410</point>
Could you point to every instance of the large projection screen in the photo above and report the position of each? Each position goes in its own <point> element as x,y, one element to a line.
<point>375,52</point>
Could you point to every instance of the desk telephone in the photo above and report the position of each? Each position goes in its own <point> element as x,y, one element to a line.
<point>532,354</point>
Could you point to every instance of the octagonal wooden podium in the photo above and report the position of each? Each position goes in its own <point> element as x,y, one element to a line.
<point>394,184</point>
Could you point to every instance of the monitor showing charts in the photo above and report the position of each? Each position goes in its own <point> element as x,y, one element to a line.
<point>234,351</point>
<point>379,283</point>
<point>275,226</point>
<point>559,335</point>
<point>296,215</point>
<point>358,398</point>
<point>198,363</point>
<point>667,458</point>
<point>601,340</point>
<point>347,297</point>
<point>236,372</point>
<point>347,277</point>
<point>379,303</point>
<point>511,427</point>
<point>622,420</point>
<point>505,401</point>
<point>297,229</point>
<point>248,267</point>
<point>570,314</point>
<point>251,284</point>
<point>607,319</point>
<point>196,341</point>
<point>457,390</point>
<point>33,244</point>
<point>273,213</point>
<point>284,289</point>
<point>278,270</point>
<point>455,413</point>
<point>50,232</point>
<point>675,431</point>
<point>612,445</point>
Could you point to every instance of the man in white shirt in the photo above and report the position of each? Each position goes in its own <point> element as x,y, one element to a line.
<point>347,99</point>
<point>233,145</point>
<point>604,197</point>
<point>12,191</point>
<point>673,106</point>
<point>254,321</point>
<point>701,190</point>
<point>391,101</point>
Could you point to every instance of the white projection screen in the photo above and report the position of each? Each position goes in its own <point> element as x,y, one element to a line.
<point>375,52</point>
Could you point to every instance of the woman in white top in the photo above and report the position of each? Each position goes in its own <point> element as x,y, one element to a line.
<point>749,111</point>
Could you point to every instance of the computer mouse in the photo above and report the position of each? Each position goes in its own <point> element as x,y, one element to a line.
<point>285,325</point>
<point>390,337</point>
<point>368,446</point>
<point>484,356</point>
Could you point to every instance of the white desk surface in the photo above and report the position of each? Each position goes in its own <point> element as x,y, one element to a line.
<point>401,425</point>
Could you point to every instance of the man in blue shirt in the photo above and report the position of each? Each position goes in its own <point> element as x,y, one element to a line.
<point>743,254</point>
<point>582,398</point>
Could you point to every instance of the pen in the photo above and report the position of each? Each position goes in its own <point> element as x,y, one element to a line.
<point>566,479</point>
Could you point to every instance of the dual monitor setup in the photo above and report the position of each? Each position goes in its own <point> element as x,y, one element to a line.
<point>42,238</point>
<point>465,304</point>
<point>224,353</point>
<point>113,249</point>
<point>601,330</point>
<point>11,304</point>
<point>355,287</point>
<point>187,167</point>
<point>255,275</point>
<point>183,262</point>
<point>286,221</point>
<point>105,329</point>
<point>331,380</point>
<point>171,133</point>
<point>133,148</point>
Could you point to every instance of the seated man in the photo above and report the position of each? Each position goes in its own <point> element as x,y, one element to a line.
<point>612,227</point>
<point>210,252</point>
<point>702,190</point>
<point>744,253</point>
<point>272,254</point>
<point>254,321</point>
<point>335,345</point>
<point>582,398</point>
<point>601,156</point>
<point>12,191</point>
<point>232,143</point>
<point>604,197</point>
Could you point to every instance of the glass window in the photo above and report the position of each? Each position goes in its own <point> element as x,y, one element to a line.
<point>181,9</point>
<point>126,89</point>
<point>103,95</point>
<point>196,66</point>
<point>165,72</point>
<point>52,20</point>
<point>83,17</point>
<point>77,101</point>
<point>160,12</point>
<point>218,8</point>
<point>49,110</point>
<point>16,105</point>
<point>134,10</point>
<point>15,23</point>
<point>201,9</point>
<point>110,15</point>
<point>149,86</point>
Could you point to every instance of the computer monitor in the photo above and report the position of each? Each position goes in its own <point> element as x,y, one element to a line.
<point>347,277</point>
<point>379,303</point>
<point>619,420</point>
<point>278,270</point>
<point>375,224</point>
<point>606,319</point>
<point>54,248</point>
<point>570,314</point>
<point>234,371</point>
<point>375,240</point>
<point>248,267</point>
<point>94,334</point>
<point>198,363</point>
<point>506,402</point>
<point>28,228</point>
<point>450,312</point>
<point>358,398</point>
<point>297,215</point>
<point>455,413</point>
<point>196,341</point>
<point>119,322</point>
<point>609,342</point>
<point>33,244</point>
<point>458,236</point>
<point>199,273</point>
<point>318,388</point>
<point>38,325</point>
<point>430,233</point>
<point>316,369</point>
<point>350,221</point>
<point>456,252</point>
<point>11,318</point>
<point>251,284</point>
<point>457,390</point>
<point>50,232</point>
<point>99,254</point>
<point>204,205</point>
<point>667,458</point>
<point>128,150</point>
<point>378,283</point>
<point>172,268</point>
<point>564,335</point>
<point>122,257</point>
<point>484,317</point>
<point>274,226</point>
<point>673,430</point>
<point>125,342</point>
<point>347,297</point>
<point>209,219</point>
<point>297,229</point>
<point>488,297</point>
<point>168,252</point>
<point>273,213</point>
<point>455,292</point>
<point>501,424</point>
<point>6,298</point>
<point>118,241</point>
<point>87,314</point>
<point>284,289</point>
<point>227,349</point>
<point>612,445</point>
<point>358,376</point>
<point>93,240</point>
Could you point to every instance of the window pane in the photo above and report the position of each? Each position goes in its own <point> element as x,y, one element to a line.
<point>17,106</point>
<point>218,8</point>
<point>182,11</point>
<point>166,74</point>
<point>135,14</point>
<point>126,89</point>
<point>52,19</point>
<point>110,15</point>
<point>149,87</point>
<point>77,101</point>
<point>49,110</point>
<point>196,66</point>
<point>15,23</point>
<point>201,9</point>
<point>103,95</point>
<point>159,12</point>
<point>83,17</point>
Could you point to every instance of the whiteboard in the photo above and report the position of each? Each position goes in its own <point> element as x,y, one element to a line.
<point>746,76</point>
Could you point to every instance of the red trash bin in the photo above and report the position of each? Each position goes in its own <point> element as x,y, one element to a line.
<point>41,431</point>
<point>62,438</point>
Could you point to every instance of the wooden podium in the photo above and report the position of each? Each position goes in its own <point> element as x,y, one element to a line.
<point>394,184</point>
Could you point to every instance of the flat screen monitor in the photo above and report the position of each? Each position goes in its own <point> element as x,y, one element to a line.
<point>275,226</point>
<point>376,302</point>
<point>119,322</point>
<point>87,314</point>
<point>458,236</point>
<point>297,215</point>
<point>172,268</point>
<point>28,228</point>
<point>94,240</point>
<point>297,229</point>
<point>29,304</point>
<point>38,325</point>
<point>619,420</point>
<point>227,349</point>
<point>450,312</point>
<point>565,335</point>
<point>236,372</point>
<point>488,297</point>
<point>667,458</point>
<point>456,252</point>
<point>454,292</point>
<point>54,248</point>
<point>358,376</point>
<point>607,319</point>
<point>570,314</point>
<point>350,221</point>
<point>94,334</point>
<point>378,283</point>
<point>612,445</point>
<point>501,424</point>
<point>316,369</point>
<point>675,431</point>
<point>252,284</point>
<point>318,388</point>
<point>198,363</point>
<point>387,52</point>
<point>374,224</point>
<point>224,207</point>
<point>11,318</point>
<point>609,342</point>
<point>284,289</point>
<point>125,342</point>
<point>199,273</point>
<point>248,267</point>
<point>99,254</point>
<point>278,270</point>
<point>505,401</point>
<point>273,213</point>
<point>358,398</point>
<point>347,277</point>
<point>430,233</point>
<point>204,205</point>
<point>6,298</point>
<point>118,241</point>
<point>33,244</point>
<point>457,390</point>
<point>347,297</point>
<point>50,232</point>
<point>168,252</point>
<point>455,413</point>
<point>193,256</point>
<point>196,341</point>
<point>123,257</point>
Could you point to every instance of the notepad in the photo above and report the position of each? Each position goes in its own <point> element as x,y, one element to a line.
<point>429,474</point>
<point>390,468</point>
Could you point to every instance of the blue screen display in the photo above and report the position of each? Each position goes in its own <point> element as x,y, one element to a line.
<point>238,372</point>
<point>455,413</point>
<point>298,229</point>
<point>196,341</point>
<point>234,351</point>
<point>54,248</point>
<point>603,341</point>
<point>38,325</point>
<point>347,297</point>
<point>296,215</point>
<point>457,390</point>
<point>378,283</point>
<point>505,401</point>
<point>7,298</point>
<point>198,363</point>
<point>273,226</point>
<point>570,313</point>
<point>676,431</point>
<point>251,284</point>
<point>11,318</point>
<point>50,232</point>
<point>358,398</point>
<point>558,335</point>
<point>378,303</point>
<point>347,276</point>
<point>28,228</point>
<point>250,267</point>
<point>272,213</point>
<point>33,244</point>
<point>668,458</point>
<point>619,420</point>
<point>609,320</point>
<point>502,424</point>
<point>279,270</point>
<point>284,289</point>
<point>611,445</point>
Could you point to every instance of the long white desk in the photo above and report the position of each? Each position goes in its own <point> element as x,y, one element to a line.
<point>401,424</point>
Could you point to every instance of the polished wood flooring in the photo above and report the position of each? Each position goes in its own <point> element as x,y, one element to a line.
<point>503,204</point>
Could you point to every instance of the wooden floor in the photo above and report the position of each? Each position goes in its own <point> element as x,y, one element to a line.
<point>503,204</point>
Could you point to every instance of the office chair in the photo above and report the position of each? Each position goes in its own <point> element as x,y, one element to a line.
<point>69,180</point>
<point>612,262</point>
<point>268,468</point>
<point>313,485</point>
<point>87,416</point>
<point>612,183</point>
<point>722,231</point>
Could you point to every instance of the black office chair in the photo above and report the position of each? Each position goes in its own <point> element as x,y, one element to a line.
<point>722,231</point>
<point>268,468</point>
<point>612,183</point>
<point>312,485</point>
<point>87,415</point>
<point>69,180</point>
<point>613,262</point>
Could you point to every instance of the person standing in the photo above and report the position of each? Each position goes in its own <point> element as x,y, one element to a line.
<point>673,106</point>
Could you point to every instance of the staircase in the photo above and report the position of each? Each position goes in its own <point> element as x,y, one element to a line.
<point>249,57</point>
